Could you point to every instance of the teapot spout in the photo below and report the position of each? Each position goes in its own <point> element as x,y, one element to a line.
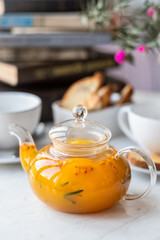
<point>20,133</point>
<point>27,146</point>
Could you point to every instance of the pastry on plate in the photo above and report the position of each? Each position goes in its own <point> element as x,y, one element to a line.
<point>138,161</point>
<point>91,93</point>
<point>81,91</point>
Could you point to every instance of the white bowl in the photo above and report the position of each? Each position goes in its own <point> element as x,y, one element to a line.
<point>21,108</point>
<point>106,116</point>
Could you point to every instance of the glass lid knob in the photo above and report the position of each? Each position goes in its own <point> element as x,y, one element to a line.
<point>80,112</point>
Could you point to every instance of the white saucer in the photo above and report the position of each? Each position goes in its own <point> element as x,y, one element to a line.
<point>7,157</point>
<point>142,170</point>
<point>122,142</point>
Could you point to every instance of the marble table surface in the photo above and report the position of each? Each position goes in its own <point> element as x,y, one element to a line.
<point>24,217</point>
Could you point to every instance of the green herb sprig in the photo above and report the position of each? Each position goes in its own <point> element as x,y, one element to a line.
<point>71,194</point>
<point>137,31</point>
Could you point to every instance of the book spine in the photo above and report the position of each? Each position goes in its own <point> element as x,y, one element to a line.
<point>71,20</point>
<point>54,40</point>
<point>42,6</point>
<point>63,71</point>
<point>14,20</point>
<point>45,54</point>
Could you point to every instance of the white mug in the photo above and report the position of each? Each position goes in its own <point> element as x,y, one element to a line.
<point>141,123</point>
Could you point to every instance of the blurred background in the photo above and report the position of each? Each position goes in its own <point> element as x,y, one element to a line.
<point>44,47</point>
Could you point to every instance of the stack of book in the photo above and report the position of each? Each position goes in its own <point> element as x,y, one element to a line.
<point>11,6</point>
<point>61,66</point>
<point>44,47</point>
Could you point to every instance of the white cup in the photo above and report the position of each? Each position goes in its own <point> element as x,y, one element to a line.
<point>141,123</point>
<point>21,108</point>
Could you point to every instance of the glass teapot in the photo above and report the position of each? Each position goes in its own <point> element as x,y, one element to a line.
<point>79,172</point>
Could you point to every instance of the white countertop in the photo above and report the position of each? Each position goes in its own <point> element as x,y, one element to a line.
<point>24,217</point>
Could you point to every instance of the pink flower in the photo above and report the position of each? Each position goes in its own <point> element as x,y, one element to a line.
<point>120,56</point>
<point>141,48</point>
<point>151,12</point>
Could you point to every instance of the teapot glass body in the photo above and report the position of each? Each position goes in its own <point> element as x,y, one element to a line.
<point>79,172</point>
<point>77,184</point>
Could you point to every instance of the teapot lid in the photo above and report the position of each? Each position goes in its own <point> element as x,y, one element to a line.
<point>80,128</point>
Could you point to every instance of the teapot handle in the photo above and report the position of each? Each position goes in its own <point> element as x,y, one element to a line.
<point>151,167</point>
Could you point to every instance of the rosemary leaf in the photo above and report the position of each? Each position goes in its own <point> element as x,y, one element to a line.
<point>126,179</point>
<point>72,193</point>
<point>63,184</point>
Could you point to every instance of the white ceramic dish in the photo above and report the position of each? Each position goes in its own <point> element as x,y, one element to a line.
<point>21,108</point>
<point>106,116</point>
<point>141,122</point>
